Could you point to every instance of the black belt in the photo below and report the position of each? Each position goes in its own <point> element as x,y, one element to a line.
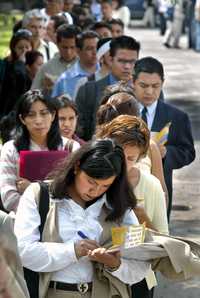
<point>82,287</point>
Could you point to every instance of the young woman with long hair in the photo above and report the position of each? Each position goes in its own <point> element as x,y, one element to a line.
<point>89,194</point>
<point>37,129</point>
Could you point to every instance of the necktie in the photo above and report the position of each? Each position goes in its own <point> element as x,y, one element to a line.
<point>144,114</point>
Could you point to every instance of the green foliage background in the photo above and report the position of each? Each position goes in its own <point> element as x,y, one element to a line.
<point>6,25</point>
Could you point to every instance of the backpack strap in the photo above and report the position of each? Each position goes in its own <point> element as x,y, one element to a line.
<point>43,206</point>
<point>42,199</point>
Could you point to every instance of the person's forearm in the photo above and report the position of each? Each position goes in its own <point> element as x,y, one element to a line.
<point>143,218</point>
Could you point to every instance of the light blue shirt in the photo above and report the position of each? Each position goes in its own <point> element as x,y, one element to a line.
<point>66,83</point>
<point>151,111</point>
<point>112,79</point>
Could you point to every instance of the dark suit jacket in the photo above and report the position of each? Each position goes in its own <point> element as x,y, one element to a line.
<point>87,101</point>
<point>180,146</point>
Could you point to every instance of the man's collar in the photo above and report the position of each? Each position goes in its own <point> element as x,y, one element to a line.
<point>150,109</point>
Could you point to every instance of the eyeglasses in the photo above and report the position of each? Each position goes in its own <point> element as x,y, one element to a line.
<point>124,61</point>
<point>23,33</point>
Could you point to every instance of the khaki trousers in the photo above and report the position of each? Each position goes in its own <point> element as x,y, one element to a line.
<point>53,293</point>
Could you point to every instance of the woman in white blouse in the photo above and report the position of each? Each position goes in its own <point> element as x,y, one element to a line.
<point>89,194</point>
<point>36,129</point>
<point>133,135</point>
<point>120,11</point>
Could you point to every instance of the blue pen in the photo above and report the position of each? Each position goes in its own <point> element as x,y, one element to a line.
<point>82,235</point>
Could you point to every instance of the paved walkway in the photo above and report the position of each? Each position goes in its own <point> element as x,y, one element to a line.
<point>182,88</point>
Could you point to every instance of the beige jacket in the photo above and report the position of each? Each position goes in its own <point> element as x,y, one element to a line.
<point>183,256</point>
<point>17,286</point>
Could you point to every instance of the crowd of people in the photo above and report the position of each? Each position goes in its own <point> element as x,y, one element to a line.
<point>74,82</point>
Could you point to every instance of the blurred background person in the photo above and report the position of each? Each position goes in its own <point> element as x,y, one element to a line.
<point>34,61</point>
<point>103,29</point>
<point>52,8</point>
<point>191,23</point>
<point>34,21</point>
<point>149,19</point>
<point>197,27</point>
<point>82,17</point>
<point>52,26</point>
<point>63,60</point>
<point>107,10</point>
<point>162,6</point>
<point>96,10</point>
<point>121,11</point>
<point>175,32</point>
<point>68,6</point>
<point>117,27</point>
<point>13,81</point>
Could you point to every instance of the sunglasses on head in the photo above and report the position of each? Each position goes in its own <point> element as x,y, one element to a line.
<point>23,33</point>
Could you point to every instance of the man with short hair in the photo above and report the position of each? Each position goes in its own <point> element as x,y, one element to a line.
<point>55,7</point>
<point>34,21</point>
<point>124,52</point>
<point>87,65</point>
<point>103,29</point>
<point>67,56</point>
<point>107,11</point>
<point>52,26</point>
<point>117,27</point>
<point>176,146</point>
<point>52,7</point>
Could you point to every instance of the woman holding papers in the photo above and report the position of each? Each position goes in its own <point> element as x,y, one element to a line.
<point>133,135</point>
<point>89,194</point>
<point>36,129</point>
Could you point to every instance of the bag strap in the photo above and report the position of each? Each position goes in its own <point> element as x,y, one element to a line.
<point>43,206</point>
<point>47,51</point>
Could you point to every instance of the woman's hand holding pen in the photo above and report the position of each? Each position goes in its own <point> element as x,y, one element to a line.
<point>82,247</point>
<point>96,253</point>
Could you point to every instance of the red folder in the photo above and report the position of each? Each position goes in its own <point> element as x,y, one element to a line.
<point>36,165</point>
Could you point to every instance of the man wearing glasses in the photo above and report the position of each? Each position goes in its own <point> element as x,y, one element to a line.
<point>124,51</point>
